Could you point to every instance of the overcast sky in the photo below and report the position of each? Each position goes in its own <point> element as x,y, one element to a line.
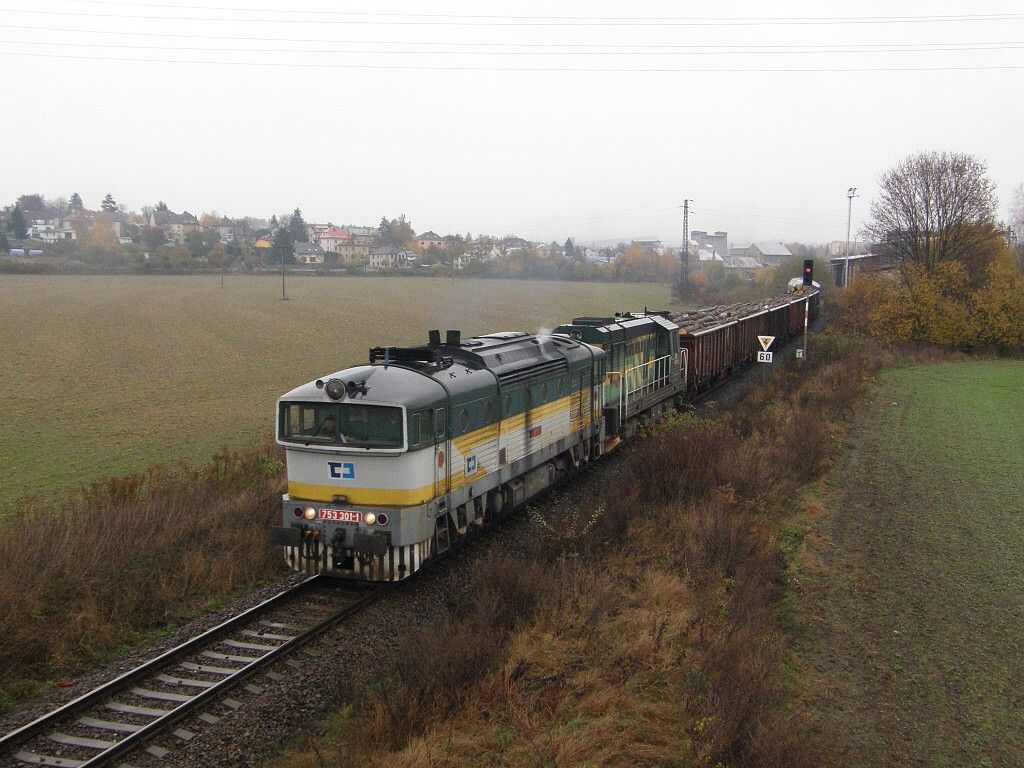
<point>476,116</point>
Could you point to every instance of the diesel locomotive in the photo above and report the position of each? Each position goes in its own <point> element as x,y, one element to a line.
<point>390,463</point>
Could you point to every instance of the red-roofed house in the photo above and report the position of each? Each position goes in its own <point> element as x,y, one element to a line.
<point>340,241</point>
<point>428,239</point>
<point>332,237</point>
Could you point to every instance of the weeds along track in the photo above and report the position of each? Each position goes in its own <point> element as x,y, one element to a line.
<point>139,709</point>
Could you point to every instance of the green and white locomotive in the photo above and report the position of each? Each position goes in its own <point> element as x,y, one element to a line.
<point>391,462</point>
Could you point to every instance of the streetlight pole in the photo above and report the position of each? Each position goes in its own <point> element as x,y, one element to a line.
<point>850,194</point>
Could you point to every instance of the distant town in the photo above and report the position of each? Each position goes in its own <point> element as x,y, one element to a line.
<point>64,234</point>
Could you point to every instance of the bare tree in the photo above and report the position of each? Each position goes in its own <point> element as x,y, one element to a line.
<point>932,207</point>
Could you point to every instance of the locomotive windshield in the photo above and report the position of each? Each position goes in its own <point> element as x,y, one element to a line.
<point>348,424</point>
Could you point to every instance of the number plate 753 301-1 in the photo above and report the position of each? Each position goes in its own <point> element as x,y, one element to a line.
<point>341,515</point>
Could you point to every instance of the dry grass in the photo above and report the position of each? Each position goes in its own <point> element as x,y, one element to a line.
<point>104,375</point>
<point>129,555</point>
<point>656,637</point>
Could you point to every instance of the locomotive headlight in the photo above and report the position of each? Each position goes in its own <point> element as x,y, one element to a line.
<point>370,518</point>
<point>310,513</point>
<point>335,389</point>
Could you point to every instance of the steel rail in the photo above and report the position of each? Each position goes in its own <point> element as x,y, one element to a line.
<point>42,725</point>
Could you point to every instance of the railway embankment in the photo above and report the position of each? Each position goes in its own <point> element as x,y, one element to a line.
<point>126,560</point>
<point>649,618</point>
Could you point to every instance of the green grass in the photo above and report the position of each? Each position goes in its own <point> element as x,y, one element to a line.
<point>104,375</point>
<point>921,621</point>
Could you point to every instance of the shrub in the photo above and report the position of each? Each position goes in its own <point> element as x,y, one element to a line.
<point>941,306</point>
<point>129,554</point>
<point>999,306</point>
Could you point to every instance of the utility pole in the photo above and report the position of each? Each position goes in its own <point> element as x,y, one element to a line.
<point>807,314</point>
<point>284,296</point>
<point>850,194</point>
<point>684,252</point>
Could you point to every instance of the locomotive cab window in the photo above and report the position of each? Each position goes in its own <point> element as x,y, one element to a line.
<point>420,433</point>
<point>347,424</point>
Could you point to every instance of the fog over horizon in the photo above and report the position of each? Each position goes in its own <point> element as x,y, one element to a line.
<point>585,120</point>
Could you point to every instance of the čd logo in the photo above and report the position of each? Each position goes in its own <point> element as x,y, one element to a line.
<point>342,470</point>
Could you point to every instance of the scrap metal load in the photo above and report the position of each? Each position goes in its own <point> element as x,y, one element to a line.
<point>710,317</point>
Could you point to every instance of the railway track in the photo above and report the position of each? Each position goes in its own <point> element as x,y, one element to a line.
<point>192,679</point>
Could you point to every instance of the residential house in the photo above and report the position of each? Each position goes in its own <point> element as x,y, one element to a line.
<point>38,226</point>
<point>318,231</point>
<point>769,254</point>
<point>52,230</point>
<point>428,239</point>
<point>353,252</point>
<point>331,238</point>
<point>340,241</point>
<point>175,226</point>
<point>308,253</point>
<point>266,242</point>
<point>387,257</point>
<point>227,230</point>
<point>82,222</point>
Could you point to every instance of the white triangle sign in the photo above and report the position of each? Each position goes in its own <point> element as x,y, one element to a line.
<point>766,341</point>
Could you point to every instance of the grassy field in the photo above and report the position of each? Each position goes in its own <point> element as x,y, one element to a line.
<point>104,375</point>
<point>918,624</point>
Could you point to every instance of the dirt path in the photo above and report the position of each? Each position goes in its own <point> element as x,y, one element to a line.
<point>915,622</point>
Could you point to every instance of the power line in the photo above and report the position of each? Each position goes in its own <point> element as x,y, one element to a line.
<point>537,17</point>
<point>753,212</point>
<point>394,52</point>
<point>628,47</point>
<point>475,68</point>
<point>554,21</point>
<point>850,47</point>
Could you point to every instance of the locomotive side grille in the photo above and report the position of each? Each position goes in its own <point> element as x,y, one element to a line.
<point>544,368</point>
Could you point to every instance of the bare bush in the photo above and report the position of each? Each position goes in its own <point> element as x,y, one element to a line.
<point>130,554</point>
